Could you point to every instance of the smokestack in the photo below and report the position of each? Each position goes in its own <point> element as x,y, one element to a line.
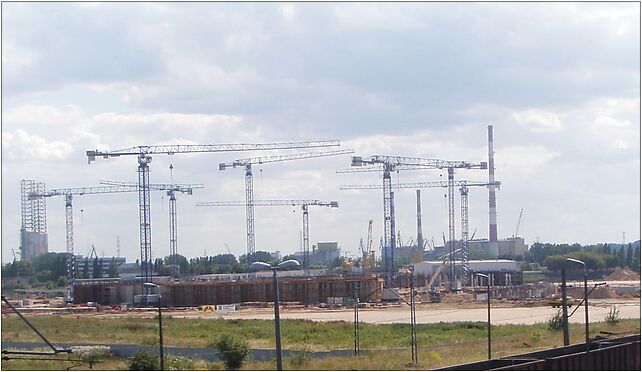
<point>492,206</point>
<point>420,235</point>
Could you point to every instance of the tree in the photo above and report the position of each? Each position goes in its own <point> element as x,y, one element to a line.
<point>85,270</point>
<point>621,255</point>
<point>629,255</point>
<point>257,256</point>
<point>98,268</point>
<point>181,261</point>
<point>113,268</point>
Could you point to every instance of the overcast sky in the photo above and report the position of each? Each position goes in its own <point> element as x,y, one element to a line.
<point>559,82</point>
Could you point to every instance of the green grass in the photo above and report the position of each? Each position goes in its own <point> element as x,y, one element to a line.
<point>106,364</point>
<point>295,333</point>
<point>440,344</point>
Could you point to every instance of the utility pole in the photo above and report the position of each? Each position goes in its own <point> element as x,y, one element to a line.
<point>566,336</point>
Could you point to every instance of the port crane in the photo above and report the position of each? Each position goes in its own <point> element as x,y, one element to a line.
<point>171,189</point>
<point>463,190</point>
<point>68,193</point>
<point>144,158</point>
<point>276,203</point>
<point>249,183</point>
<point>389,163</point>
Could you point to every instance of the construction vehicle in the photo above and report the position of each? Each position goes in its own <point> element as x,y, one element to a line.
<point>556,301</point>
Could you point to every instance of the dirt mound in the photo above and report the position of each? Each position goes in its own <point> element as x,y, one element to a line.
<point>623,274</point>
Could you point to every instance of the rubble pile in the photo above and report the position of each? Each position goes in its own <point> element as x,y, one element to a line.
<point>623,274</point>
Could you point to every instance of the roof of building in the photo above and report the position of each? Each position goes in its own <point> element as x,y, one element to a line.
<point>473,261</point>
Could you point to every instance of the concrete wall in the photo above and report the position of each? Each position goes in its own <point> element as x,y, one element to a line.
<point>299,290</point>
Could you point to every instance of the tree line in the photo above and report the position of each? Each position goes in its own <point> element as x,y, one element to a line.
<point>597,256</point>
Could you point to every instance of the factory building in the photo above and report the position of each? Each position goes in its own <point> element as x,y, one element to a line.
<point>103,262</point>
<point>323,253</point>
<point>511,247</point>
<point>301,290</point>
<point>502,272</point>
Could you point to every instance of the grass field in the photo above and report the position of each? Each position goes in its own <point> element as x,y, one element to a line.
<point>440,344</point>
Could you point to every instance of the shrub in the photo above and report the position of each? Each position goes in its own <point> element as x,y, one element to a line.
<point>141,361</point>
<point>178,363</point>
<point>613,316</point>
<point>535,336</point>
<point>232,350</point>
<point>556,322</point>
<point>91,353</point>
<point>301,359</point>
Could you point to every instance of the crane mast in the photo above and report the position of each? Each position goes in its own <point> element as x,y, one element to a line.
<point>143,154</point>
<point>171,189</point>
<point>249,188</point>
<point>69,218</point>
<point>390,163</point>
<point>275,203</point>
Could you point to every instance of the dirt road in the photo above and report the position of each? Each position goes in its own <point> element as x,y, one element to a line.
<point>505,315</point>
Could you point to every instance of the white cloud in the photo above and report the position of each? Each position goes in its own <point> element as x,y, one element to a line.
<point>558,81</point>
<point>43,114</point>
<point>523,159</point>
<point>538,120</point>
<point>20,145</point>
<point>288,11</point>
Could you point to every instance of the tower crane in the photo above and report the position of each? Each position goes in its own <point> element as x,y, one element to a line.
<point>276,203</point>
<point>249,183</point>
<point>69,220</point>
<point>388,163</point>
<point>144,157</point>
<point>463,189</point>
<point>171,189</point>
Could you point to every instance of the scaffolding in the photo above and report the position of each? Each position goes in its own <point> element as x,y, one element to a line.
<point>33,232</point>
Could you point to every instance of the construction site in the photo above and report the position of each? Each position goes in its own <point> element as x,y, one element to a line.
<point>317,284</point>
<point>439,271</point>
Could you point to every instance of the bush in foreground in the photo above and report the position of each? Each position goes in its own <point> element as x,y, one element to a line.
<point>232,350</point>
<point>141,361</point>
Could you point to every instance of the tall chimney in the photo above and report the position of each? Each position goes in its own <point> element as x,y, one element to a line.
<point>420,235</point>
<point>492,206</point>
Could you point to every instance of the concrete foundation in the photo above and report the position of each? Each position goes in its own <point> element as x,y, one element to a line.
<point>180,294</point>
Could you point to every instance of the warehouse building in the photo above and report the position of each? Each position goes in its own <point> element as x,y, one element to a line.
<point>501,272</point>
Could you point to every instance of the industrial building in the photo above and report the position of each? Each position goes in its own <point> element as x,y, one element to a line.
<point>511,247</point>
<point>103,262</point>
<point>501,272</point>
<point>294,289</point>
<point>323,253</point>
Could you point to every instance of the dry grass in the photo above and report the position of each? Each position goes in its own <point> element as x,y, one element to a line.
<point>440,344</point>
